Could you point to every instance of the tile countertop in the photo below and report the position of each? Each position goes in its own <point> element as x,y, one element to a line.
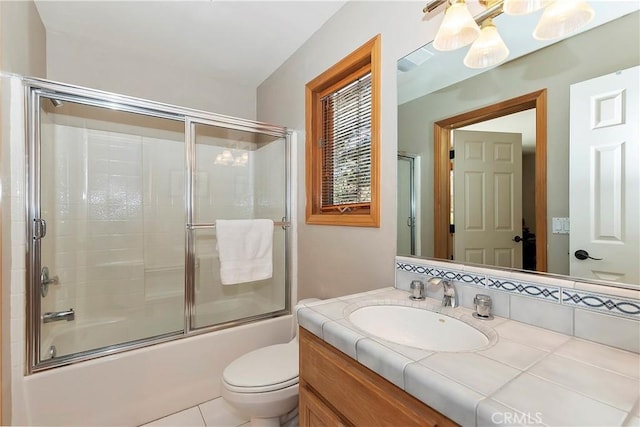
<point>525,376</point>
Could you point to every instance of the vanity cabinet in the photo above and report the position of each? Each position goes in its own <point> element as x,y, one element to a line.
<point>336,390</point>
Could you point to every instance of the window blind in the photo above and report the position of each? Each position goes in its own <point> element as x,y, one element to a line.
<point>346,146</point>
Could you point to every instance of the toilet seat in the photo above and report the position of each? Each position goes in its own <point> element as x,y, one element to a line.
<point>270,368</point>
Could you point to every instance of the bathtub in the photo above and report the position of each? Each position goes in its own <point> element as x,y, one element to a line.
<point>138,386</point>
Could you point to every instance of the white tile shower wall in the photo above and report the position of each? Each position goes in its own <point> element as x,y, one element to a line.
<point>163,203</point>
<point>544,302</point>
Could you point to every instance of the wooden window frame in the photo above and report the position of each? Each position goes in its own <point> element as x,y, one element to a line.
<point>364,59</point>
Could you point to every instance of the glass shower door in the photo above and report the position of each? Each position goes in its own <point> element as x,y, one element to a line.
<point>236,175</point>
<point>110,189</point>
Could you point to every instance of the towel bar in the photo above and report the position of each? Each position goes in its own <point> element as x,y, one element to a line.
<point>283,224</point>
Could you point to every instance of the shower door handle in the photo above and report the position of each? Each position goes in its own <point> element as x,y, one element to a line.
<point>39,228</point>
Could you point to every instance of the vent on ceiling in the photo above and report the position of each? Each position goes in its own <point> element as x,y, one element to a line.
<point>414,59</point>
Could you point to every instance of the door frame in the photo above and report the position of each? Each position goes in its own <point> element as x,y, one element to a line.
<point>442,137</point>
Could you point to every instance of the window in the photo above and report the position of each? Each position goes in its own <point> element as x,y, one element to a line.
<point>342,147</point>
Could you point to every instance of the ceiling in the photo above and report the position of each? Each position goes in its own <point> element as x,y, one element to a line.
<point>236,41</point>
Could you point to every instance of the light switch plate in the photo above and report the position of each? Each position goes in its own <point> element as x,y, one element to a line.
<point>560,226</point>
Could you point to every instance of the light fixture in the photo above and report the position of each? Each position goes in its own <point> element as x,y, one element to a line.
<point>458,28</point>
<point>561,18</point>
<point>524,7</point>
<point>489,49</point>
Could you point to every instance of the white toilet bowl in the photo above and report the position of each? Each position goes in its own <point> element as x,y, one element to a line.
<point>263,384</point>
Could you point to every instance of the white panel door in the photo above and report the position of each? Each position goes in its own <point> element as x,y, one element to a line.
<point>488,198</point>
<point>604,177</point>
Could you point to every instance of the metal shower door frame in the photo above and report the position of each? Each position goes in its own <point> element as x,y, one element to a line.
<point>411,158</point>
<point>35,91</point>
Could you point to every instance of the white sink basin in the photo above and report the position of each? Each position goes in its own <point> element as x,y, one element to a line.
<point>417,327</point>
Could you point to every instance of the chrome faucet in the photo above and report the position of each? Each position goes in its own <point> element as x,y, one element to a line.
<point>56,316</point>
<point>450,298</point>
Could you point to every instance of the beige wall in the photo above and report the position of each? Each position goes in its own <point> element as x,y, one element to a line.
<point>582,57</point>
<point>334,260</point>
<point>83,63</point>
<point>23,39</point>
<point>22,51</point>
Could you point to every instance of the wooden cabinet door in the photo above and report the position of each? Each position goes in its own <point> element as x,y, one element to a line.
<point>360,396</point>
<point>314,413</point>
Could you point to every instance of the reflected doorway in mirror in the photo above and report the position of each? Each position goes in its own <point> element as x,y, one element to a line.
<point>443,134</point>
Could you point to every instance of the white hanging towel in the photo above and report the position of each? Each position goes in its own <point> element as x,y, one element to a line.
<point>245,248</point>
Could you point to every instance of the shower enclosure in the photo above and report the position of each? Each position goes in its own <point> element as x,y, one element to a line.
<point>122,198</point>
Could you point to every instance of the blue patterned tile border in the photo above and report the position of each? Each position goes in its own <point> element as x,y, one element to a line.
<point>419,269</point>
<point>604,303</point>
<point>545,292</point>
<point>460,276</point>
<point>628,308</point>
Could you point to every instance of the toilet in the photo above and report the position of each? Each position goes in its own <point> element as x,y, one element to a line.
<point>263,384</point>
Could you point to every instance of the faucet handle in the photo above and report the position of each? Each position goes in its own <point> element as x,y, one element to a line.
<point>417,290</point>
<point>482,304</point>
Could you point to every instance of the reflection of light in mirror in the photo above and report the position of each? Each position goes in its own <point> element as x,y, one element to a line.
<point>226,158</point>
<point>242,160</point>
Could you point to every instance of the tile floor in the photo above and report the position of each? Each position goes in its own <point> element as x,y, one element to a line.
<point>214,413</point>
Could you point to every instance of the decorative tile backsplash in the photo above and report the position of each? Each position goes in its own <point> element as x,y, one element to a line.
<point>628,308</point>
<point>604,303</point>
<point>545,292</point>
<point>449,274</point>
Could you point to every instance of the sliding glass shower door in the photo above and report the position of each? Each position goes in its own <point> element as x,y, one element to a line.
<point>236,175</point>
<point>111,226</point>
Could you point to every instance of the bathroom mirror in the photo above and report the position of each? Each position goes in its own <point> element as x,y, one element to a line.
<point>435,88</point>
